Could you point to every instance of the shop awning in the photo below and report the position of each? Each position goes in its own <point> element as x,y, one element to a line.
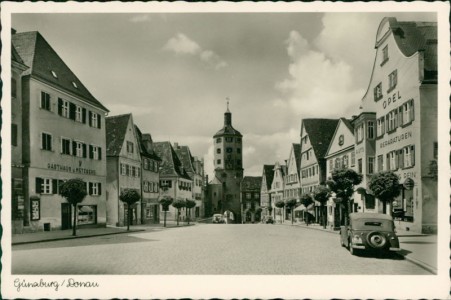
<point>300,208</point>
<point>86,208</point>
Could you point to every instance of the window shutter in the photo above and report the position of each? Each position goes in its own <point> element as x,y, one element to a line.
<point>74,148</point>
<point>99,121</point>
<point>83,146</point>
<point>99,151</point>
<point>60,106</point>
<point>401,159</point>
<point>60,182</point>
<point>83,115</point>
<point>54,186</point>
<point>121,166</point>
<point>91,152</point>
<point>90,188</point>
<point>400,116</point>
<point>396,118</point>
<point>99,188</point>
<point>395,153</point>
<point>90,118</point>
<point>412,111</point>
<point>72,109</point>
<point>412,155</point>
<point>388,161</point>
<point>127,170</point>
<point>38,185</point>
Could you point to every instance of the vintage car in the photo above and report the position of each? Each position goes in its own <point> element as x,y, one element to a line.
<point>369,231</point>
<point>217,218</point>
<point>269,220</point>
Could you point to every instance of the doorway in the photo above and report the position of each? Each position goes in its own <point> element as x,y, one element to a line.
<point>66,214</point>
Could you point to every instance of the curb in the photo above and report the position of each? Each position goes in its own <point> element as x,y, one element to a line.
<point>310,227</point>
<point>419,263</point>
<point>75,237</point>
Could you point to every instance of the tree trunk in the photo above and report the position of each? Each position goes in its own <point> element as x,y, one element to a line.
<point>128,218</point>
<point>74,228</point>
<point>384,206</point>
<point>178,216</point>
<point>324,215</point>
<point>292,215</point>
<point>186,215</point>
<point>164,222</point>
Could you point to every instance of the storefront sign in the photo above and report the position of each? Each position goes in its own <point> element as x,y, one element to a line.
<point>392,99</point>
<point>396,139</point>
<point>409,175</point>
<point>35,204</point>
<point>70,169</point>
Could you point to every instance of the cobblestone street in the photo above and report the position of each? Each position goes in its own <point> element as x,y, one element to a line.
<point>254,249</point>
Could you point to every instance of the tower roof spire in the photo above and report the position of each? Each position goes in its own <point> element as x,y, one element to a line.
<point>228,99</point>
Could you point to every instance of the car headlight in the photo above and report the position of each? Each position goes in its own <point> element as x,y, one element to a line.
<point>357,239</point>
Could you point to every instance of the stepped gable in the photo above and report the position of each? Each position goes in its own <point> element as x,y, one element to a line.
<point>320,132</point>
<point>116,128</point>
<point>42,60</point>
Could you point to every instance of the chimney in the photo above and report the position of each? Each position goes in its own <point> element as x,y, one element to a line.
<point>176,145</point>
<point>13,31</point>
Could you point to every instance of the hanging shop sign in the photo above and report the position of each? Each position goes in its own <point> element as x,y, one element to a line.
<point>35,205</point>
<point>409,183</point>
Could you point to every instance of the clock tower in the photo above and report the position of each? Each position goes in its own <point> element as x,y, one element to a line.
<point>228,162</point>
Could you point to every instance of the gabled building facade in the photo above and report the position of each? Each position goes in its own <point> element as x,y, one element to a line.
<point>174,179</point>
<point>316,135</point>
<point>265,195</point>
<point>62,137</point>
<point>402,97</point>
<point>150,179</point>
<point>124,168</point>
<point>250,199</point>
<point>194,169</point>
<point>292,181</point>
<point>277,191</point>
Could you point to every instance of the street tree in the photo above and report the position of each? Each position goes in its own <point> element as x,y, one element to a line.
<point>321,194</point>
<point>74,190</point>
<point>165,202</point>
<point>280,204</point>
<point>307,200</point>
<point>291,204</point>
<point>189,204</point>
<point>179,204</point>
<point>342,184</point>
<point>129,197</point>
<point>385,186</point>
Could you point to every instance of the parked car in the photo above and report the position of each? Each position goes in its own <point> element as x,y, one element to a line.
<point>269,220</point>
<point>217,219</point>
<point>369,231</point>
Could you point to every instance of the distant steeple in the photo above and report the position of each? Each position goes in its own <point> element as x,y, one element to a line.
<point>228,115</point>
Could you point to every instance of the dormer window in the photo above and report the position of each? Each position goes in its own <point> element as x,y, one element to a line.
<point>54,74</point>
<point>74,84</point>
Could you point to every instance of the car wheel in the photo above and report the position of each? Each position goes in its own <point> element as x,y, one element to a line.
<point>376,240</point>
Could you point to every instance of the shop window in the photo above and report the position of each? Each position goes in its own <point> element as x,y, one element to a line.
<point>87,214</point>
<point>370,165</point>
<point>403,206</point>
<point>392,80</point>
<point>370,129</point>
<point>13,134</point>
<point>378,92</point>
<point>45,101</point>
<point>46,141</point>
<point>65,146</point>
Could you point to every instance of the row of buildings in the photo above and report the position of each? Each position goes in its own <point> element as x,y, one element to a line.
<point>59,131</point>
<point>395,129</point>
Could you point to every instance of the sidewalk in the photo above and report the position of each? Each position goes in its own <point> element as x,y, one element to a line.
<point>57,235</point>
<point>420,249</point>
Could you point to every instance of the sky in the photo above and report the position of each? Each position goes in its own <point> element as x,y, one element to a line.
<point>174,71</point>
